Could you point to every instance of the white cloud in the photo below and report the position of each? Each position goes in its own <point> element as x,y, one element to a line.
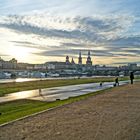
<point>52,35</point>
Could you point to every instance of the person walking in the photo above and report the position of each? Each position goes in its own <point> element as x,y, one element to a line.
<point>131,77</point>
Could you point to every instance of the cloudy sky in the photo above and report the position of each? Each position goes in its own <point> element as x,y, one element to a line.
<point>37,31</point>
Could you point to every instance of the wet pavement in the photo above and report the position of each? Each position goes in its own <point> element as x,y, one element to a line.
<point>64,92</point>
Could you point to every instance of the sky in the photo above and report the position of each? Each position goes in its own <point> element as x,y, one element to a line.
<point>38,31</point>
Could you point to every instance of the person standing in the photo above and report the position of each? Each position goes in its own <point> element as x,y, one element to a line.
<point>131,77</point>
<point>117,81</point>
<point>101,84</point>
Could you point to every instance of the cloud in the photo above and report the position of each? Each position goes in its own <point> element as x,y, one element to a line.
<point>127,41</point>
<point>29,45</point>
<point>75,52</point>
<point>105,36</point>
<point>96,29</point>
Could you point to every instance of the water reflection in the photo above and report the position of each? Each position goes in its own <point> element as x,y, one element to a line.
<point>24,94</point>
<point>64,92</point>
<point>25,79</point>
<point>19,80</point>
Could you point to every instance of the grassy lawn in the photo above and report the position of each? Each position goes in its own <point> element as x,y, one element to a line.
<point>16,87</point>
<point>17,109</point>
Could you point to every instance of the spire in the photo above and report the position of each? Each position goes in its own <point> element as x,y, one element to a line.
<point>88,53</point>
<point>80,58</point>
<point>67,60</point>
<point>89,62</point>
<point>72,61</point>
<point>80,54</point>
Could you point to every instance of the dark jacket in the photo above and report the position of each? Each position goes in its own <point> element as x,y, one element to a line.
<point>131,75</point>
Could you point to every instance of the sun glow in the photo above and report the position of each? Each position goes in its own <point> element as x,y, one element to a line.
<point>21,54</point>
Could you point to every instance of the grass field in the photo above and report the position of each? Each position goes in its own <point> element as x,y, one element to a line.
<point>17,109</point>
<point>16,87</point>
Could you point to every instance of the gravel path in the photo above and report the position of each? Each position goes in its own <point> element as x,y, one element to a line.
<point>114,115</point>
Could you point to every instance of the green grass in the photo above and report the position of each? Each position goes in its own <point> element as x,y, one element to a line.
<point>16,87</point>
<point>21,108</point>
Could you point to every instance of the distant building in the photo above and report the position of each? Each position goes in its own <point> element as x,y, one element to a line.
<point>80,59</point>
<point>132,66</point>
<point>56,65</point>
<point>67,65</point>
<point>39,67</point>
<point>1,62</point>
<point>66,68</point>
<point>12,64</point>
<point>72,61</point>
<point>50,66</point>
<point>30,67</point>
<point>129,67</point>
<point>89,62</point>
<point>22,66</point>
<point>59,66</point>
<point>67,60</point>
<point>105,68</point>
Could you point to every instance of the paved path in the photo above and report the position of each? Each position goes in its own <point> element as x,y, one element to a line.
<point>63,92</point>
<point>113,115</point>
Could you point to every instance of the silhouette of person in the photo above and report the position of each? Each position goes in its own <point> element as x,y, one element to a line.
<point>131,77</point>
<point>40,93</point>
<point>39,90</point>
<point>101,84</point>
<point>117,81</point>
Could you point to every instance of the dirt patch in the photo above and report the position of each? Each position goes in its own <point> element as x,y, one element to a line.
<point>114,115</point>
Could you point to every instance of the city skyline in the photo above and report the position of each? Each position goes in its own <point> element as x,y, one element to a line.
<point>41,31</point>
<point>68,60</point>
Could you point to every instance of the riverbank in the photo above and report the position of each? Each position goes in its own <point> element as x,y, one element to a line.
<point>114,114</point>
<point>7,88</point>
<point>18,109</point>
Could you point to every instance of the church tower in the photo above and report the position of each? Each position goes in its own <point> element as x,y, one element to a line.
<point>80,59</point>
<point>89,62</point>
<point>67,60</point>
<point>72,61</point>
